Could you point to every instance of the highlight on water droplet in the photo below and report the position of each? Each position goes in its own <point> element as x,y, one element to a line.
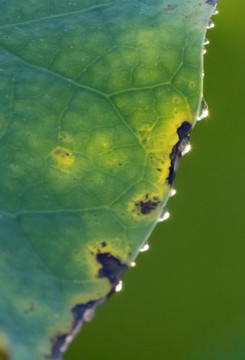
<point>119,286</point>
<point>88,315</point>
<point>133,264</point>
<point>186,149</point>
<point>216,12</point>
<point>146,247</point>
<point>172,192</point>
<point>206,42</point>
<point>164,216</point>
<point>204,51</point>
<point>203,111</point>
<point>210,25</point>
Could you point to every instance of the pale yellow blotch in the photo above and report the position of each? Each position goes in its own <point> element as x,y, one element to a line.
<point>146,128</point>
<point>117,247</point>
<point>95,248</point>
<point>65,137</point>
<point>160,141</point>
<point>164,171</point>
<point>97,287</point>
<point>145,37</point>
<point>164,136</point>
<point>144,132</point>
<point>99,143</point>
<point>113,246</point>
<point>64,158</point>
<point>101,288</point>
<point>4,344</point>
<point>110,161</point>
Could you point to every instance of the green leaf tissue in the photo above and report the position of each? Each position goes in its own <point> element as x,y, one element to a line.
<point>97,102</point>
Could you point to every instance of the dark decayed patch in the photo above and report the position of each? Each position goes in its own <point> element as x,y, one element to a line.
<point>147,206</point>
<point>112,268</point>
<point>80,309</point>
<point>58,343</point>
<point>77,312</point>
<point>184,133</point>
<point>211,2</point>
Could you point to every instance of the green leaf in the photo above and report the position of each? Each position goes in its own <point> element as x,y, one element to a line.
<point>97,103</point>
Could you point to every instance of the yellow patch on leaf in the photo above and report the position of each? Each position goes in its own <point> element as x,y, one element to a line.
<point>64,158</point>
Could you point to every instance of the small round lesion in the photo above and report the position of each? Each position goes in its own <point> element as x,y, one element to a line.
<point>64,157</point>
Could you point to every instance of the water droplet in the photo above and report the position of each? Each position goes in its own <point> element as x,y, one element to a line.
<point>133,264</point>
<point>210,25</point>
<point>206,42</point>
<point>173,192</point>
<point>164,216</point>
<point>204,51</point>
<point>69,339</point>
<point>203,110</point>
<point>146,247</point>
<point>216,12</point>
<point>88,315</point>
<point>119,286</point>
<point>186,149</point>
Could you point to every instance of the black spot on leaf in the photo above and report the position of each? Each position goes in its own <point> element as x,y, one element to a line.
<point>184,133</point>
<point>211,2</point>
<point>58,343</point>
<point>147,206</point>
<point>184,130</point>
<point>112,268</point>
<point>79,310</point>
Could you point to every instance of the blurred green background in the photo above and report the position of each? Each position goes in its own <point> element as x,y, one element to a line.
<point>185,300</point>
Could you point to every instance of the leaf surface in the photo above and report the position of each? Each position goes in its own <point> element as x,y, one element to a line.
<point>97,101</point>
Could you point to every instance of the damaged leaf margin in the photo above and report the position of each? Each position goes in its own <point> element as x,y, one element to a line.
<point>56,236</point>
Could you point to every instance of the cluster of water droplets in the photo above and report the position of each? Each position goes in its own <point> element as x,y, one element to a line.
<point>205,43</point>
<point>210,25</point>
<point>203,113</point>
